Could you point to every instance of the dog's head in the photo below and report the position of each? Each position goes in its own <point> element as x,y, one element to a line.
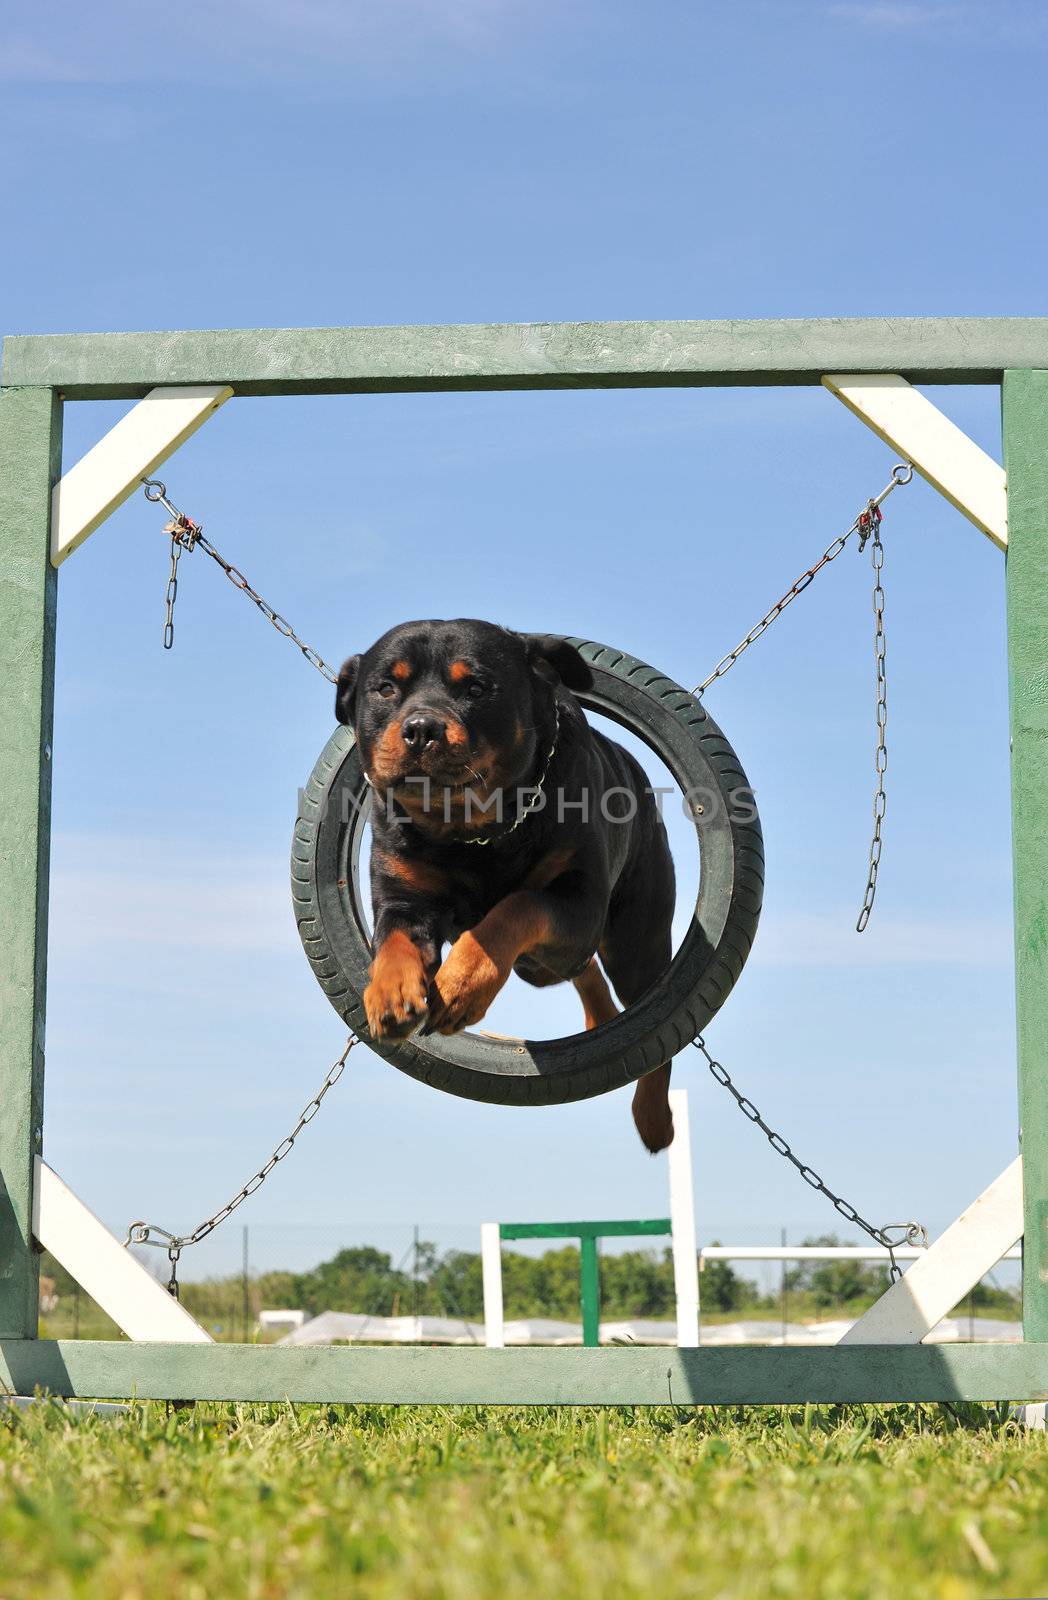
<point>463,704</point>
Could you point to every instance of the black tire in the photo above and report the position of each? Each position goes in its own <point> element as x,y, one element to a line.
<point>324,883</point>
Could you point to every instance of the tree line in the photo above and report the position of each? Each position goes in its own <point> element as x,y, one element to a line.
<point>633,1284</point>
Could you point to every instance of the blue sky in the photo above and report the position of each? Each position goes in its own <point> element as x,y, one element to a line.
<point>267,165</point>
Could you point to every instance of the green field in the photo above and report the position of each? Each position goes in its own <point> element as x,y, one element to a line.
<point>226,1502</point>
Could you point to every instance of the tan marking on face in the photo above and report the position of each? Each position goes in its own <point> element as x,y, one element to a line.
<point>387,753</point>
<point>518,734</point>
<point>459,671</point>
<point>492,768</point>
<point>437,816</point>
<point>456,736</point>
<point>401,670</point>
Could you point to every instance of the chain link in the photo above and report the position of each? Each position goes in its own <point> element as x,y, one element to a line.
<point>880,797</point>
<point>902,472</point>
<point>911,1233</point>
<point>172,593</point>
<point>188,535</point>
<point>726,663</point>
<point>174,1243</point>
<point>868,526</point>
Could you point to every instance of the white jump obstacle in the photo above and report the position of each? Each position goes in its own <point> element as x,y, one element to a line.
<point>942,1275</point>
<point>682,1240</point>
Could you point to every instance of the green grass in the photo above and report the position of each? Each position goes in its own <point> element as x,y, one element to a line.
<point>225,1502</point>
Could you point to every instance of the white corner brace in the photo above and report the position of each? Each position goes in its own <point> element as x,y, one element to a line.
<point>113,469</point>
<point>943,453</point>
<point>908,1311</point>
<point>139,1305</point>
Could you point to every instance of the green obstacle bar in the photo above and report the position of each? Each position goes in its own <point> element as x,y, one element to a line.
<point>740,1375</point>
<point>40,372</point>
<point>587,1233</point>
<point>527,355</point>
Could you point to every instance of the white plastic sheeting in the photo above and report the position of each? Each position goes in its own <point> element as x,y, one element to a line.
<point>344,1327</point>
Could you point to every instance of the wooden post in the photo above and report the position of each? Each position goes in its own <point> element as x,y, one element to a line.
<point>1025,398</point>
<point>682,1216</point>
<point>30,461</point>
<point>491,1273</point>
<point>590,1290</point>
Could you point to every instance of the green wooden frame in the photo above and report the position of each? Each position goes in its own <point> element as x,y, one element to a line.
<point>39,372</point>
<point>587,1233</point>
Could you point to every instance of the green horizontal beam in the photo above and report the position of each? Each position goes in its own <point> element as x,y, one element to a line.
<point>527,355</point>
<point>584,1230</point>
<point>879,1374</point>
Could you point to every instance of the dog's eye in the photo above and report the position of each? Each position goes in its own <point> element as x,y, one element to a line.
<point>386,688</point>
<point>476,690</point>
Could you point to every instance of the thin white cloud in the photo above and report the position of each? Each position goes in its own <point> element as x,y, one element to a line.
<point>827,939</point>
<point>24,61</point>
<point>108,891</point>
<point>897,15</point>
<point>1006,21</point>
<point>266,38</point>
<point>358,21</point>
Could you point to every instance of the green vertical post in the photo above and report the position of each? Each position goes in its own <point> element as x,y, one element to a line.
<point>1025,401</point>
<point>589,1284</point>
<point>30,459</point>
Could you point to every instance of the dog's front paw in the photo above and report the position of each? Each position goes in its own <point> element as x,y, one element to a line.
<point>464,987</point>
<point>394,1010</point>
<point>396,999</point>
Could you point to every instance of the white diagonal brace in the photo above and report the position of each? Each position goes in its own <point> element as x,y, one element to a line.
<point>958,1259</point>
<point>943,453</point>
<point>113,469</point>
<point>137,1303</point>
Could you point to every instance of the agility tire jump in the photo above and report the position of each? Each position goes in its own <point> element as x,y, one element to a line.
<point>677,727</point>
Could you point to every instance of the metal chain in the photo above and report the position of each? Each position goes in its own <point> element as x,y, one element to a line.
<point>880,798</point>
<point>188,535</point>
<point>172,593</point>
<point>902,472</point>
<point>911,1233</point>
<point>726,663</point>
<point>175,1243</point>
<point>868,526</point>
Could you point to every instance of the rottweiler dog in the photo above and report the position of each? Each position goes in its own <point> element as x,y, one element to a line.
<point>507,828</point>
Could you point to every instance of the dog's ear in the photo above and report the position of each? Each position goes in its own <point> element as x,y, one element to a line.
<point>557,661</point>
<point>346,691</point>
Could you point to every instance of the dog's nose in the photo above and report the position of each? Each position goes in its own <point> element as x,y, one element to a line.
<point>421,730</point>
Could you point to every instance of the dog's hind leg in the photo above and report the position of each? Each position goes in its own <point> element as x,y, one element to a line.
<point>651,1109</point>
<point>597,1004</point>
<point>636,950</point>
